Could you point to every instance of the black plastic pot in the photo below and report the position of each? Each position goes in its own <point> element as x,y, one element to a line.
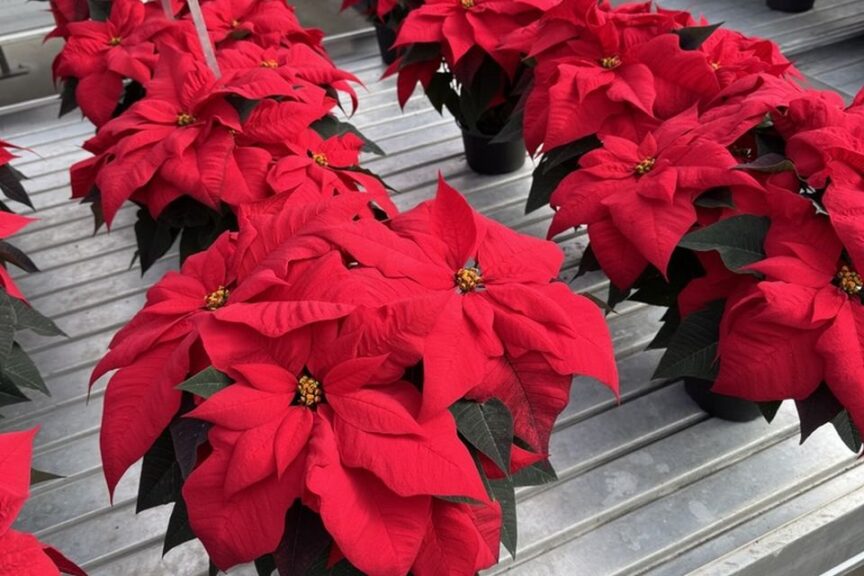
<point>487,157</point>
<point>791,5</point>
<point>718,405</point>
<point>386,37</point>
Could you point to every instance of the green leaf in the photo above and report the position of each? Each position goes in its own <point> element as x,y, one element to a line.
<point>460,500</point>
<point>11,254</point>
<point>20,369</point>
<point>818,409</point>
<point>40,476</point>
<point>847,431</point>
<point>739,240</point>
<point>7,326</point>
<point>10,394</point>
<point>504,492</point>
<point>715,198</point>
<point>100,10</point>
<point>569,152</point>
<point>488,427</point>
<point>161,479</point>
<point>535,475</point>
<point>303,543</point>
<point>769,409</point>
<point>205,383</point>
<point>692,37</point>
<point>265,565</point>
<point>329,126</point>
<point>68,102</point>
<point>154,237</point>
<point>439,90</point>
<point>693,349</point>
<point>421,52</point>
<point>511,131</point>
<point>771,163</point>
<point>28,318</point>
<point>178,532</point>
<point>10,184</point>
<point>188,434</point>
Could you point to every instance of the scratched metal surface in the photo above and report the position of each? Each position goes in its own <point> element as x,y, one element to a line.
<point>653,486</point>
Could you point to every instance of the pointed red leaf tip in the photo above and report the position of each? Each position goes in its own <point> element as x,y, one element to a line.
<point>16,452</point>
<point>453,222</point>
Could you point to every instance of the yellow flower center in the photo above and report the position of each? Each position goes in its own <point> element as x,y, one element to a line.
<point>235,23</point>
<point>308,391</point>
<point>467,4</point>
<point>850,281</point>
<point>320,158</point>
<point>715,65</point>
<point>184,119</point>
<point>644,166</point>
<point>217,298</point>
<point>467,279</point>
<point>610,62</point>
<point>269,64</point>
<point>115,41</point>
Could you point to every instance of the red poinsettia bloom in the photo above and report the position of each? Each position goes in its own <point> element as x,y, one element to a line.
<point>22,553</point>
<point>10,224</point>
<point>459,25</point>
<point>101,55</point>
<point>379,8</point>
<point>305,71</point>
<point>637,196</point>
<point>733,56</point>
<point>483,294</point>
<point>265,22</point>
<point>603,76</point>
<point>800,326</point>
<point>331,166</point>
<point>176,141</point>
<point>322,425</point>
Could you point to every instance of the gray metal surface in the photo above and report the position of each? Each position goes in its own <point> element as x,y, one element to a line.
<point>652,486</point>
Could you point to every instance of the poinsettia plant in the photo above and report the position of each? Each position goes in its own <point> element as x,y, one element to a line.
<point>22,553</point>
<point>191,141</point>
<point>454,50</point>
<point>386,16</point>
<point>17,371</point>
<point>335,393</point>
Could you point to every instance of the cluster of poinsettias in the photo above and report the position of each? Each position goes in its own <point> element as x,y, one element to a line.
<point>341,392</point>
<point>17,371</point>
<point>188,142</point>
<point>22,553</point>
<point>711,182</point>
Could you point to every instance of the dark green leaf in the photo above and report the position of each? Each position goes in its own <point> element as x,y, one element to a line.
<point>664,335</point>
<point>771,163</point>
<point>161,478</point>
<point>20,369</point>
<point>693,349</point>
<point>188,434</point>
<point>739,240</point>
<point>569,152</point>
<point>40,476</point>
<point>421,52</point>
<point>715,198</point>
<point>265,565</point>
<point>68,102</point>
<point>769,409</point>
<point>535,475</point>
<point>13,255</point>
<point>439,90</point>
<point>304,542</point>
<point>511,131</point>
<point>544,183</point>
<point>504,492</point>
<point>155,238</point>
<point>692,37</point>
<point>100,10</point>
<point>847,431</point>
<point>616,295</point>
<point>10,184</point>
<point>818,409</point>
<point>459,500</point>
<point>205,383</point>
<point>488,427</point>
<point>178,532</point>
<point>7,326</point>
<point>329,126</point>
<point>10,394</point>
<point>212,570</point>
<point>28,318</point>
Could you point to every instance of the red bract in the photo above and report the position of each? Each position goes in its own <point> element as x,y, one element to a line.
<point>22,553</point>
<point>101,55</point>
<point>637,196</point>
<point>265,22</point>
<point>176,141</point>
<point>10,224</point>
<point>602,76</point>
<point>323,421</point>
<point>493,298</point>
<point>801,325</point>
<point>733,56</point>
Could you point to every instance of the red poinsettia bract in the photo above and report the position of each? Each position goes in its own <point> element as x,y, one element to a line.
<point>22,554</point>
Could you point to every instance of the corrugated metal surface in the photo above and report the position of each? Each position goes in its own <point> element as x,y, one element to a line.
<point>650,486</point>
